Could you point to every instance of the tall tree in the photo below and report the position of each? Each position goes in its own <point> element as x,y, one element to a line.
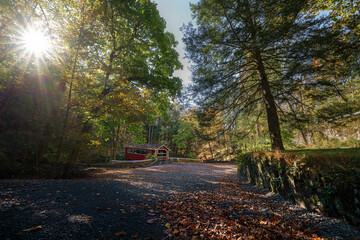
<point>120,43</point>
<point>249,52</point>
<point>105,54</point>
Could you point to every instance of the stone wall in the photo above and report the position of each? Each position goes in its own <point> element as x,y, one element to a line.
<point>329,195</point>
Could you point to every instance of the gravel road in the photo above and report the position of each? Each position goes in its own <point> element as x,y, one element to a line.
<point>121,203</point>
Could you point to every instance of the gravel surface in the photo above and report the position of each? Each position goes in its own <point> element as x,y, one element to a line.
<point>120,203</point>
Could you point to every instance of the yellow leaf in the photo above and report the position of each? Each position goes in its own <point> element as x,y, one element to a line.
<point>30,229</point>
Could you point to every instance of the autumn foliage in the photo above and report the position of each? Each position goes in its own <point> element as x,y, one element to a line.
<point>231,212</point>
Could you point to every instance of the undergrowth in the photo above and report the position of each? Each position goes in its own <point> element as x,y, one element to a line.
<point>329,162</point>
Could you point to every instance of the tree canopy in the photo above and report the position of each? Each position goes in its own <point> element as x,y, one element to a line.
<point>80,79</point>
<point>108,66</point>
<point>247,53</point>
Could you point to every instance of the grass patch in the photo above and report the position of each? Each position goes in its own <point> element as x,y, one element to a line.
<point>187,160</point>
<point>327,151</point>
<point>347,160</point>
<point>343,164</point>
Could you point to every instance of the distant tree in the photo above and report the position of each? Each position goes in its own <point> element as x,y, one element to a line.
<point>185,138</point>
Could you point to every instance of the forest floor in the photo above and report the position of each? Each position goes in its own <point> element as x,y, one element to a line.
<point>171,201</point>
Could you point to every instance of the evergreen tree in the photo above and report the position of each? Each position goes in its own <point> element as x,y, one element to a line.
<point>251,52</point>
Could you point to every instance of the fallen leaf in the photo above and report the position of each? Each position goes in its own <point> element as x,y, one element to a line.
<point>167,232</point>
<point>121,233</point>
<point>30,229</point>
<point>151,221</point>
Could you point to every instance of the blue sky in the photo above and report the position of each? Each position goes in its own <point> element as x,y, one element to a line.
<point>176,13</point>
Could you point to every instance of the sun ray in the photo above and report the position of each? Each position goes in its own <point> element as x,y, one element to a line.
<point>31,43</point>
<point>35,42</point>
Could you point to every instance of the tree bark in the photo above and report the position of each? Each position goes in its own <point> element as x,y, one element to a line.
<point>113,144</point>
<point>212,155</point>
<point>271,111</point>
<point>303,134</point>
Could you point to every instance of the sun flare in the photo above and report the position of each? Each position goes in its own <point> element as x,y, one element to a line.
<point>36,42</point>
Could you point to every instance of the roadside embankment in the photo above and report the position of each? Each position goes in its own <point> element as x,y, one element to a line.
<point>327,182</point>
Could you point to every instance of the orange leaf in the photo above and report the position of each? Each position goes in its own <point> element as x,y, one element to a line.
<point>121,233</point>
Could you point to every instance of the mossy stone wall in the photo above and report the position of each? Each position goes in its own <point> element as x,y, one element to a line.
<point>332,194</point>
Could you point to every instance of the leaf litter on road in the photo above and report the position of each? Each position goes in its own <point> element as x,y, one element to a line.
<point>230,212</point>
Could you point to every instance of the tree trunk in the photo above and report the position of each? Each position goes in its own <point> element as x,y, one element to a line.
<point>257,131</point>
<point>113,154</point>
<point>116,142</point>
<point>272,116</point>
<point>72,78</point>
<point>107,154</point>
<point>187,148</point>
<point>149,138</point>
<point>212,155</point>
<point>303,134</point>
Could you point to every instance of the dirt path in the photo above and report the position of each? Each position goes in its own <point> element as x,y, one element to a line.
<point>185,201</point>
